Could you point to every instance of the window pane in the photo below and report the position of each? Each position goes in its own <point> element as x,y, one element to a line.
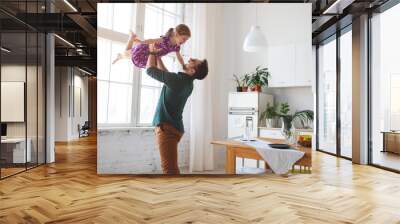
<point>103,58</point>
<point>148,81</point>
<point>122,17</point>
<point>14,158</point>
<point>327,97</point>
<point>152,26</point>
<point>346,94</point>
<point>171,63</point>
<point>105,17</point>
<point>120,103</point>
<point>169,22</point>
<point>170,7</point>
<point>148,102</point>
<point>102,101</point>
<point>385,89</point>
<point>122,71</point>
<point>159,5</point>
<point>395,102</point>
<point>395,92</point>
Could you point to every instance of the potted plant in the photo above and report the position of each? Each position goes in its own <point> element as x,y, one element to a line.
<point>269,115</point>
<point>288,129</point>
<point>238,83</point>
<point>259,78</point>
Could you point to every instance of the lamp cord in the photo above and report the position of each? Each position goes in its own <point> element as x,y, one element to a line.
<point>256,14</point>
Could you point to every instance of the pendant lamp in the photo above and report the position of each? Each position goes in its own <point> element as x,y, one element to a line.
<point>255,40</point>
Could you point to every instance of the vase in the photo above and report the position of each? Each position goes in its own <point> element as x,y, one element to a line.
<point>244,89</point>
<point>288,131</point>
<point>270,123</point>
<point>238,89</point>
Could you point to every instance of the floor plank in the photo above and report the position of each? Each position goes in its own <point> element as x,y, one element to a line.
<point>70,191</point>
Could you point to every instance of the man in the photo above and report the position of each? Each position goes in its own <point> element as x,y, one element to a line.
<point>174,94</point>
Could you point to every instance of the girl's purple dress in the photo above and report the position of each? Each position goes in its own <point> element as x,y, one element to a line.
<point>140,53</point>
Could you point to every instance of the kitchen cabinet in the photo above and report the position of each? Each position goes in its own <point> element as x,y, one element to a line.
<point>290,65</point>
<point>281,65</point>
<point>303,65</point>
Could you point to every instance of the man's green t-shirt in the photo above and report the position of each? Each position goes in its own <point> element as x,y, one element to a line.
<point>174,94</point>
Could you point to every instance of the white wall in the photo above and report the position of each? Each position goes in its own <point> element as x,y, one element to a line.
<point>282,24</point>
<point>299,98</point>
<point>67,120</point>
<point>133,151</point>
<point>79,117</point>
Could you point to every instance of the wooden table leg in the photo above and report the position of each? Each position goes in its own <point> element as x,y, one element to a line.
<point>267,166</point>
<point>230,163</point>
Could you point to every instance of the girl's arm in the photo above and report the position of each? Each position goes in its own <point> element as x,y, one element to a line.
<point>180,59</point>
<point>151,41</point>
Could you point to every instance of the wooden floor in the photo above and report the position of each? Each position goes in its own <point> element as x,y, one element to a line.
<point>69,191</point>
<point>386,159</point>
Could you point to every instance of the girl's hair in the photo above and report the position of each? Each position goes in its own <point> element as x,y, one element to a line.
<point>181,29</point>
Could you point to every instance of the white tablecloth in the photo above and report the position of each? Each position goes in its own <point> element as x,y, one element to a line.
<point>279,160</point>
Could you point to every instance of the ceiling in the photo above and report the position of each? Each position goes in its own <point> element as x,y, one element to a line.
<point>76,22</point>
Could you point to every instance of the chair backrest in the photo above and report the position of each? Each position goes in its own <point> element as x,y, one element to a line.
<point>86,125</point>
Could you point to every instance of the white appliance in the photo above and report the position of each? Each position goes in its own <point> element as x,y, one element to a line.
<point>246,105</point>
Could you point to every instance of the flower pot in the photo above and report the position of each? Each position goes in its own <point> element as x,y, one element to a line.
<point>244,88</point>
<point>238,89</point>
<point>256,88</point>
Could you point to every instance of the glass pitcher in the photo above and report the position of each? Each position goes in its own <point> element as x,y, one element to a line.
<point>248,129</point>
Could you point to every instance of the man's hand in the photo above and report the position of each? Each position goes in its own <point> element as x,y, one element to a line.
<point>153,49</point>
<point>152,61</point>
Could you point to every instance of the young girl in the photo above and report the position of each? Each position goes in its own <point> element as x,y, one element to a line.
<point>168,43</point>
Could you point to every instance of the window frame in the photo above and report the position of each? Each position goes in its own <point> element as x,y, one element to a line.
<point>138,21</point>
<point>337,38</point>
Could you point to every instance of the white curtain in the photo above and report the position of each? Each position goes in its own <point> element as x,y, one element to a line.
<point>201,20</point>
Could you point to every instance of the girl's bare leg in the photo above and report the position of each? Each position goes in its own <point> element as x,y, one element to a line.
<point>124,55</point>
<point>127,53</point>
<point>133,39</point>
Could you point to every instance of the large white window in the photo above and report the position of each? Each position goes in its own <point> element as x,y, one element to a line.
<point>158,19</point>
<point>385,85</point>
<point>126,95</point>
<point>327,97</point>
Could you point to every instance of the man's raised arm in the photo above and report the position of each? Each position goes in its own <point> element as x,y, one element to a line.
<point>170,79</point>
